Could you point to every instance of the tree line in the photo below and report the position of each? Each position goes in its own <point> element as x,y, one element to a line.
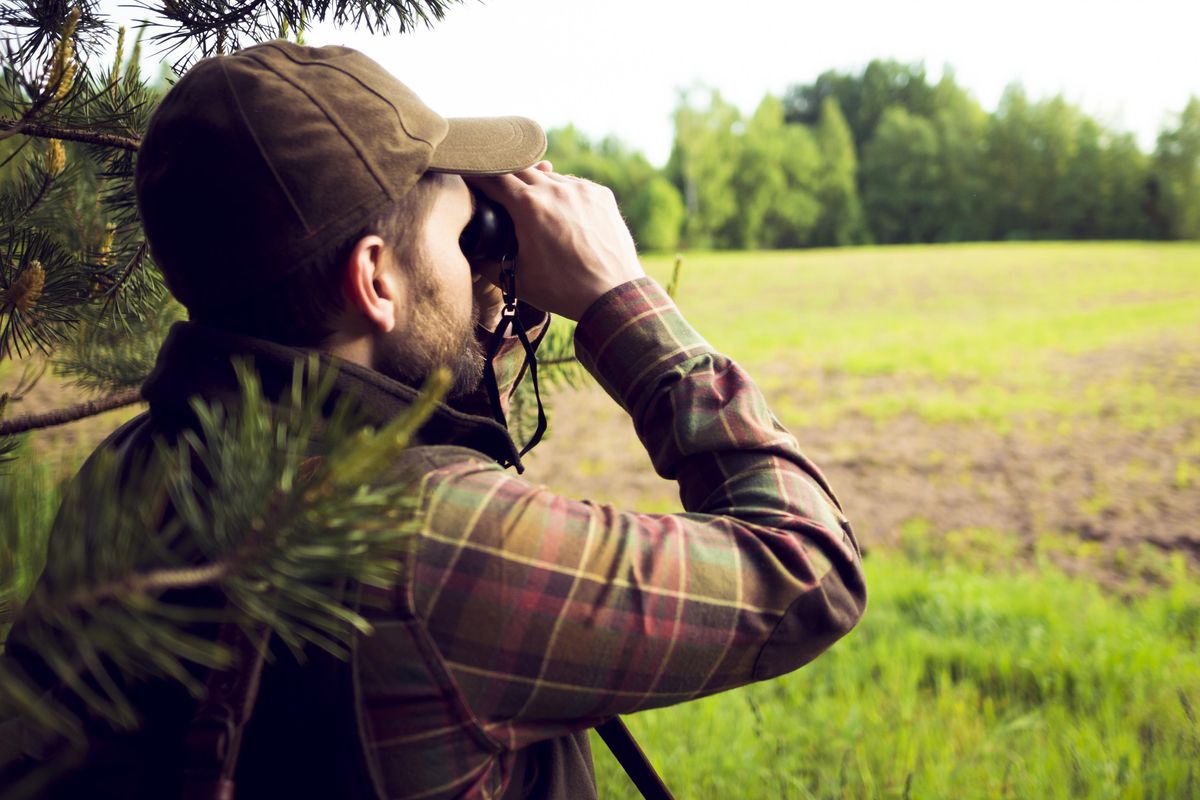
<point>887,156</point>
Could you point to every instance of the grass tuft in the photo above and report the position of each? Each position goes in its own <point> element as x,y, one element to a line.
<point>960,682</point>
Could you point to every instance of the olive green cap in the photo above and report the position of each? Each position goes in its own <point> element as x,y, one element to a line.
<point>257,161</point>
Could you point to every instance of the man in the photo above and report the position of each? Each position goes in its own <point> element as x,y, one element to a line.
<point>301,198</point>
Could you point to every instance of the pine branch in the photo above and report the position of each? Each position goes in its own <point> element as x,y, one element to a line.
<point>40,25</point>
<point>54,82</point>
<point>271,528</point>
<point>151,583</point>
<point>15,154</point>
<point>71,217</point>
<point>61,416</point>
<point>37,196</point>
<point>40,292</point>
<point>112,354</point>
<point>83,135</point>
<point>209,27</point>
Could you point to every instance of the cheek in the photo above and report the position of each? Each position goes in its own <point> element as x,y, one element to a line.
<point>457,276</point>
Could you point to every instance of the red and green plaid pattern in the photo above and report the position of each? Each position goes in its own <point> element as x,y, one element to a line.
<point>528,615</point>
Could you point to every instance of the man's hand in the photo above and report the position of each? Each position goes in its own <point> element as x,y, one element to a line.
<point>574,244</point>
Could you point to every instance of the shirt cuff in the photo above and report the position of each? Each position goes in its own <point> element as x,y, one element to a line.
<point>631,336</point>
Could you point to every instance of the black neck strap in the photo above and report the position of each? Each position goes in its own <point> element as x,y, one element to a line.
<point>509,318</point>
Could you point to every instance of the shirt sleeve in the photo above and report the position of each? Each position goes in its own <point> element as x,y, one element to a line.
<point>551,614</point>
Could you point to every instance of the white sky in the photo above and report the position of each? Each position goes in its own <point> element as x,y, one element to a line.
<point>614,66</point>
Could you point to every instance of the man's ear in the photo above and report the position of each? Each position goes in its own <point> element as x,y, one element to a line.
<point>373,284</point>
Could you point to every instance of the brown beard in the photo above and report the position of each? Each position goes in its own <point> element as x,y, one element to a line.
<point>432,338</point>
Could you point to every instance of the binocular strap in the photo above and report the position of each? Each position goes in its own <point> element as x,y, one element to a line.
<point>510,319</point>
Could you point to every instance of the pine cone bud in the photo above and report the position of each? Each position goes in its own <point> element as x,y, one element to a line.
<point>56,158</point>
<point>62,63</point>
<point>23,294</point>
<point>68,81</point>
<point>105,254</point>
<point>120,55</point>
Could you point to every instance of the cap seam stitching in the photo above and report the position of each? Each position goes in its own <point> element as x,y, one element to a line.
<point>360,82</point>
<point>261,150</point>
<point>358,151</point>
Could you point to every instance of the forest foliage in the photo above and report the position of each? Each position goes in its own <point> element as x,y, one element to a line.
<point>889,156</point>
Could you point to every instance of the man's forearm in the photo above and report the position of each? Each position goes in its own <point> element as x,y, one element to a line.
<point>568,610</point>
<point>704,423</point>
<point>643,367</point>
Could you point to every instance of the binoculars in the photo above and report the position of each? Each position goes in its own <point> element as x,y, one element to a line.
<point>490,235</point>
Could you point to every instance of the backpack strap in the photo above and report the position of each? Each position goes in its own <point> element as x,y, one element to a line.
<point>215,734</point>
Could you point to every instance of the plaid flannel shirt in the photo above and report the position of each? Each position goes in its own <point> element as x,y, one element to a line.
<point>528,616</point>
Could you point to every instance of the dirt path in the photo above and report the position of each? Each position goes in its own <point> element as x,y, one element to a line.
<point>1086,493</point>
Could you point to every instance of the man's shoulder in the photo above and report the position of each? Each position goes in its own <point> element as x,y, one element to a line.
<point>140,434</point>
<point>424,463</point>
<point>127,448</point>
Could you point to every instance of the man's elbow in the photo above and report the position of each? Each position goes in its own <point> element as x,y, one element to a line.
<point>816,620</point>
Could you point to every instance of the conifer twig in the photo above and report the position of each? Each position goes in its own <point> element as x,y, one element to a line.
<point>61,416</point>
<point>159,580</point>
<point>84,135</point>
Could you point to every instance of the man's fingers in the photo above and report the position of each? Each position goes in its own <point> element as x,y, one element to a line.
<point>490,184</point>
<point>510,184</point>
<point>529,176</point>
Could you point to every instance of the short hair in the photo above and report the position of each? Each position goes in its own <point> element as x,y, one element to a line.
<point>300,311</point>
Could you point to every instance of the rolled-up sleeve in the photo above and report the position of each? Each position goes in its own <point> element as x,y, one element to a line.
<point>551,613</point>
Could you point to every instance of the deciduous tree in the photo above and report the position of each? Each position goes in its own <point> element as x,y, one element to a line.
<point>1177,174</point>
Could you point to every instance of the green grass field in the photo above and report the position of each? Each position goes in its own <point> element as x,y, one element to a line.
<point>1056,656</point>
<point>960,682</point>
<point>1014,430</point>
<point>961,332</point>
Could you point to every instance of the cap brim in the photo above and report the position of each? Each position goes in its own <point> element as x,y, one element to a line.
<point>488,146</point>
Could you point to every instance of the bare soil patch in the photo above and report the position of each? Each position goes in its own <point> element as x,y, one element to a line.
<point>1085,492</point>
<point>1089,478</point>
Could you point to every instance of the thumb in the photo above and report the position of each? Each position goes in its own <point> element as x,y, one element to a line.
<point>488,271</point>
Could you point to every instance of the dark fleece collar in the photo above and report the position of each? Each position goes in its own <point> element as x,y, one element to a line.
<point>196,360</point>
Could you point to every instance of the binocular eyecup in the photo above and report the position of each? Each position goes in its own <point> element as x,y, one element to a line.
<point>490,235</point>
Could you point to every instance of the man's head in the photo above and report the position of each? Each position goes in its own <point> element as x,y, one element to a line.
<point>287,190</point>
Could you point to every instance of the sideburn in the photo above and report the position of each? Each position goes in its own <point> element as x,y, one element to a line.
<point>431,338</point>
